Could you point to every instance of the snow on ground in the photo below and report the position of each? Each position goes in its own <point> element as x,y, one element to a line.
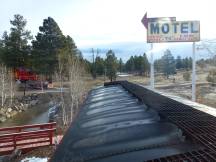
<point>34,159</point>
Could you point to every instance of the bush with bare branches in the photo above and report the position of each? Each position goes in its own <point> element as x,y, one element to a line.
<point>71,97</point>
<point>6,86</point>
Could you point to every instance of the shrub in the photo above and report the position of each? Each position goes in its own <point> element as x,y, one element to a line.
<point>211,76</point>
<point>187,76</point>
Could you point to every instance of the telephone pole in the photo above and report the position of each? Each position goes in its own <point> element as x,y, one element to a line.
<point>93,64</point>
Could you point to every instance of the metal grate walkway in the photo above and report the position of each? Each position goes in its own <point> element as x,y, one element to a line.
<point>198,126</point>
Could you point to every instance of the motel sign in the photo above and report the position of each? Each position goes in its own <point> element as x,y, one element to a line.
<point>173,31</point>
<point>167,29</point>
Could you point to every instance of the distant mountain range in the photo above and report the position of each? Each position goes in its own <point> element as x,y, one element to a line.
<point>127,49</point>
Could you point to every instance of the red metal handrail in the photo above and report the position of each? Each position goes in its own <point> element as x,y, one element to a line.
<point>24,138</point>
<point>20,128</point>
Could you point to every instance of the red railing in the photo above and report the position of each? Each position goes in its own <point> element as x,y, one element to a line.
<point>26,138</point>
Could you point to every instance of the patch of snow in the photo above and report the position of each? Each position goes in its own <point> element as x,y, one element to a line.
<point>123,75</point>
<point>34,159</point>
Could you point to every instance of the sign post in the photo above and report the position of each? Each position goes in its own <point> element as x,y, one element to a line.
<point>145,21</point>
<point>152,68</point>
<point>194,74</point>
<point>167,29</point>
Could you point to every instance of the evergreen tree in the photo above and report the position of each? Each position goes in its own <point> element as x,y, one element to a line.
<point>201,63</point>
<point>130,66</point>
<point>1,50</point>
<point>99,65</point>
<point>178,62</point>
<point>87,65</point>
<point>120,65</point>
<point>168,63</point>
<point>16,49</point>
<point>71,48</point>
<point>68,50</point>
<point>156,65</point>
<point>146,65</point>
<point>190,61</point>
<point>186,63</point>
<point>49,44</point>
<point>138,64</point>
<point>111,65</point>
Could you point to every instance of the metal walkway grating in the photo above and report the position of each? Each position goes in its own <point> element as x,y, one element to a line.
<point>197,125</point>
<point>194,156</point>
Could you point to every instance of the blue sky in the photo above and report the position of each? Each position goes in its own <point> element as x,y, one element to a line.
<point>105,22</point>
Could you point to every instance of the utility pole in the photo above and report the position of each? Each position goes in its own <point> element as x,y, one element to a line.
<point>93,66</point>
<point>194,74</point>
<point>93,55</point>
<point>152,68</point>
<point>97,54</point>
<point>105,74</point>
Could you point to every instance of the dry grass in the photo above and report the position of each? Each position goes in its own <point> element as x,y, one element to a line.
<point>88,80</point>
<point>179,86</point>
<point>161,80</point>
<point>91,83</point>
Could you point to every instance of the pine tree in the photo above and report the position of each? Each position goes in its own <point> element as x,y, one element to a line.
<point>121,65</point>
<point>168,63</point>
<point>178,62</point>
<point>99,65</point>
<point>185,63</point>
<point>146,65</point>
<point>1,49</point>
<point>16,48</point>
<point>49,44</point>
<point>130,65</point>
<point>111,65</point>
<point>190,61</point>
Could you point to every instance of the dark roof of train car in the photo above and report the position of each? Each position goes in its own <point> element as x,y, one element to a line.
<point>113,126</point>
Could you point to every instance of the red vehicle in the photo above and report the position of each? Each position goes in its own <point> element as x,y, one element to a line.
<point>23,74</point>
<point>28,79</point>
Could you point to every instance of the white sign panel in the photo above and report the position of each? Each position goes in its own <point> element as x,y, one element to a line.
<point>173,31</point>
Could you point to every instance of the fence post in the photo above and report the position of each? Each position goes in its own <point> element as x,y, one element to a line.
<point>51,136</point>
<point>14,141</point>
